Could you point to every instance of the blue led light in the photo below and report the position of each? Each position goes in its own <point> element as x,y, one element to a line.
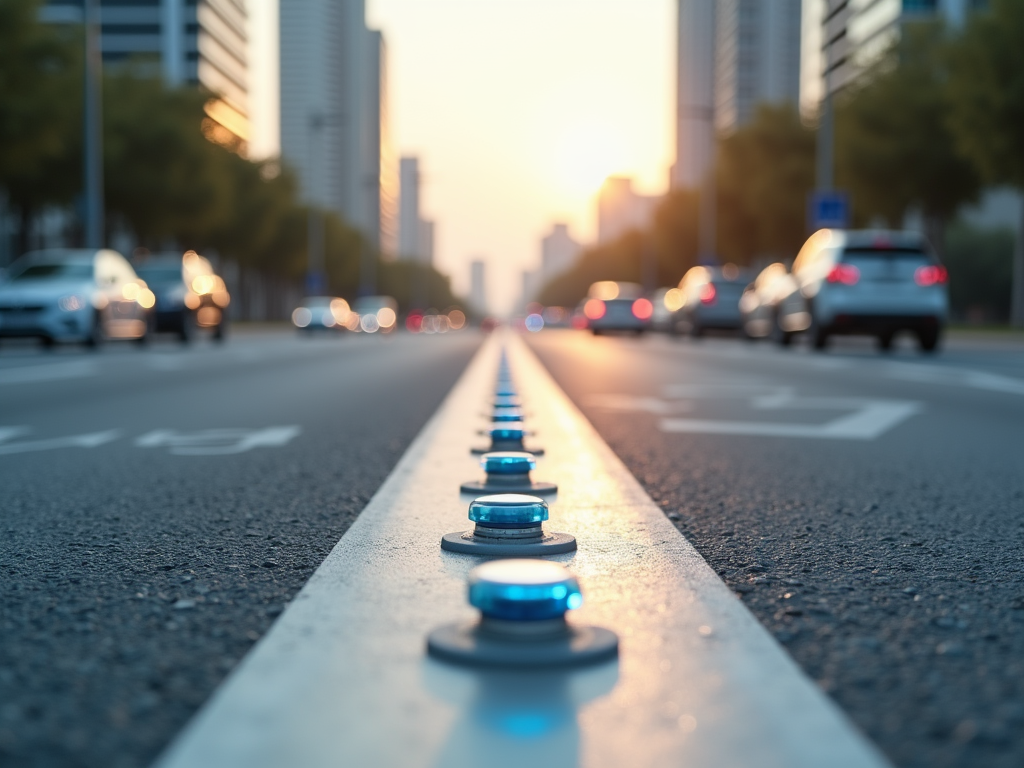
<point>505,389</point>
<point>523,590</point>
<point>506,401</point>
<point>506,433</point>
<point>508,510</point>
<point>501,415</point>
<point>508,463</point>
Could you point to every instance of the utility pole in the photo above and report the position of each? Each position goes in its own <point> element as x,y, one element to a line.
<point>316,280</point>
<point>93,129</point>
<point>367,257</point>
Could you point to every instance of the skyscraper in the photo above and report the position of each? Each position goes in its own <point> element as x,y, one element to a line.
<point>695,82</point>
<point>333,111</point>
<point>558,252</point>
<point>202,42</point>
<point>415,234</point>
<point>478,286</point>
<point>757,57</point>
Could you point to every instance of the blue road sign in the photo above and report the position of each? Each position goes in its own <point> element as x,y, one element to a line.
<point>316,283</point>
<point>829,210</point>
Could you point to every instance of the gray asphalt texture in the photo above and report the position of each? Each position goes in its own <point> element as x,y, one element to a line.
<point>134,580</point>
<point>891,569</point>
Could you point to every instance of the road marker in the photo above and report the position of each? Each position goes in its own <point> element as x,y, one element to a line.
<point>343,679</point>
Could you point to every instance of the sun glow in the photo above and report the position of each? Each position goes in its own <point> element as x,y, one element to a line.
<point>586,156</point>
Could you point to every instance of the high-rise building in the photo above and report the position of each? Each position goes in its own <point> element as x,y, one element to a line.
<point>478,286</point>
<point>620,208</point>
<point>202,42</point>
<point>695,84</point>
<point>842,38</point>
<point>384,199</point>
<point>558,252</point>
<point>409,220</point>
<point>333,112</point>
<point>415,234</point>
<point>757,57</point>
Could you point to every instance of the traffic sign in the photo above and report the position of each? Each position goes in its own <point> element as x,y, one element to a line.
<point>829,210</point>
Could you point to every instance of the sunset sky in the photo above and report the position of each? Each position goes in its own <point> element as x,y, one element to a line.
<point>519,109</point>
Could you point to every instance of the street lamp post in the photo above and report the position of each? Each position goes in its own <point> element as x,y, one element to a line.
<point>93,130</point>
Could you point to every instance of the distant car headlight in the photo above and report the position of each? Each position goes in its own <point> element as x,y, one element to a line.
<point>71,303</point>
<point>302,317</point>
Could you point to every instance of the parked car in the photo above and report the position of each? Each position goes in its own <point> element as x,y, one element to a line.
<point>324,313</point>
<point>75,295</point>
<point>188,294</point>
<point>710,299</point>
<point>759,303</point>
<point>613,306</point>
<point>873,282</point>
<point>377,313</point>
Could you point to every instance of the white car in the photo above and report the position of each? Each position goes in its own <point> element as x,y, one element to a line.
<point>75,295</point>
<point>873,282</point>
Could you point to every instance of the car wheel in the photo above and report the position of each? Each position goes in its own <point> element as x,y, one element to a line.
<point>928,340</point>
<point>696,330</point>
<point>47,342</point>
<point>596,331</point>
<point>96,337</point>
<point>220,332</point>
<point>885,341</point>
<point>188,327</point>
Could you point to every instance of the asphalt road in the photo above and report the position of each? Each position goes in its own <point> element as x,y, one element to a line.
<point>159,507</point>
<point>868,509</point>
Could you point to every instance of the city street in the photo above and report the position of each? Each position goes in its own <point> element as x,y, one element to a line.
<point>159,507</point>
<point>866,508</point>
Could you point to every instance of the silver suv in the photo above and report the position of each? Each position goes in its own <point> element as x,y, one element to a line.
<point>869,282</point>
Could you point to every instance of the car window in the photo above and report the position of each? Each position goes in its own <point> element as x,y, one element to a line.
<point>60,271</point>
<point>159,275</point>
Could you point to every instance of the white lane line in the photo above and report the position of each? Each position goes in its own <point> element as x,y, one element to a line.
<point>342,679</point>
<point>30,374</point>
<point>90,440</point>
<point>218,442</point>
<point>638,404</point>
<point>935,374</point>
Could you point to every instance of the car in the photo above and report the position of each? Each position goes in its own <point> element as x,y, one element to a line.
<point>377,313</point>
<point>189,295</point>
<point>615,306</point>
<point>760,301</point>
<point>866,282</point>
<point>710,299</point>
<point>75,295</point>
<point>324,313</point>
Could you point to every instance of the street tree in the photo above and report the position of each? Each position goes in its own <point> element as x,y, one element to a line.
<point>895,150</point>
<point>986,98</point>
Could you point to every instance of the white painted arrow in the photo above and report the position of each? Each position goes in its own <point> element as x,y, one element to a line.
<point>91,440</point>
<point>217,442</point>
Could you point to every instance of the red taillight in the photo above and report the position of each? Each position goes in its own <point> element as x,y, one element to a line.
<point>708,293</point>
<point>642,309</point>
<point>933,274</point>
<point>847,274</point>
<point>594,309</point>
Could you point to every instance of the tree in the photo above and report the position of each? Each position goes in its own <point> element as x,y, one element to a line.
<point>894,148</point>
<point>986,97</point>
<point>765,172</point>
<point>160,172</point>
<point>40,111</point>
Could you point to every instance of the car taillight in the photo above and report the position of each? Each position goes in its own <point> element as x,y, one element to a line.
<point>594,309</point>
<point>708,293</point>
<point>642,309</point>
<point>933,274</point>
<point>847,274</point>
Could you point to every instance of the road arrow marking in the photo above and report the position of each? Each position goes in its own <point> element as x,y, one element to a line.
<point>91,440</point>
<point>217,442</point>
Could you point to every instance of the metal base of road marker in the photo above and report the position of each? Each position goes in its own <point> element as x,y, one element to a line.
<point>510,446</point>
<point>470,643</point>
<point>536,488</point>
<point>466,543</point>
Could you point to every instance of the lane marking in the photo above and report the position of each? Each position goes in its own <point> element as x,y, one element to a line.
<point>870,418</point>
<point>218,442</point>
<point>341,678</point>
<point>935,374</point>
<point>90,440</point>
<point>30,374</point>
